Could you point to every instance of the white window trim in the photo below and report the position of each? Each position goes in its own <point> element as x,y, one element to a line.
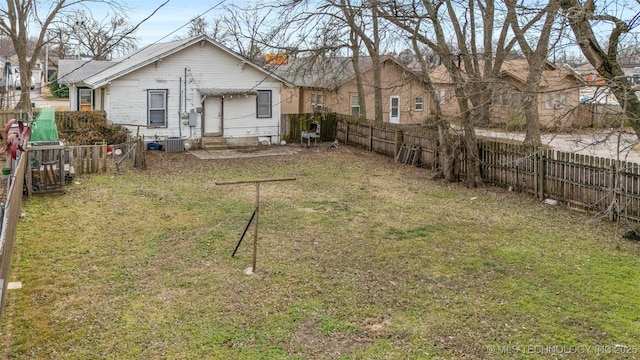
<point>80,91</point>
<point>355,105</point>
<point>260,115</point>
<point>165,93</point>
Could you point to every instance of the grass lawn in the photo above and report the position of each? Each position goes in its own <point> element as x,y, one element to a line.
<point>357,258</point>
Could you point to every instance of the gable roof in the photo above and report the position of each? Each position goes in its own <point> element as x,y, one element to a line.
<point>517,69</point>
<point>98,73</point>
<point>75,71</point>
<point>319,71</point>
<point>330,73</point>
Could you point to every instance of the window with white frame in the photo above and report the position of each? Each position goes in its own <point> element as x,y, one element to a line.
<point>419,103</point>
<point>441,95</point>
<point>85,99</point>
<point>355,105</point>
<point>157,108</point>
<point>317,100</point>
<point>263,104</point>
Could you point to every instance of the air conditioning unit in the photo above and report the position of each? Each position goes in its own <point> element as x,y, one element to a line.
<point>174,144</point>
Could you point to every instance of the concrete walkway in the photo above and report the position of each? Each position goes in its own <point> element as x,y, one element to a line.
<point>251,152</point>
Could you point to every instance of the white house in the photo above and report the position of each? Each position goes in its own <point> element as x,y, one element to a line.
<point>192,88</point>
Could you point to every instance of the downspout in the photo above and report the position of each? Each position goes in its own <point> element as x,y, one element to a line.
<point>202,124</point>
<point>222,115</point>
<point>185,89</point>
<point>180,108</point>
<point>185,96</point>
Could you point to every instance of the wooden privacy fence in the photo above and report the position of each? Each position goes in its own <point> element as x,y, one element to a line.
<point>388,139</point>
<point>10,214</point>
<point>593,184</point>
<point>292,125</point>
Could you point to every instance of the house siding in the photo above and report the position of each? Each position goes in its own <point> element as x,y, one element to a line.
<point>396,81</point>
<point>206,67</point>
<point>557,84</point>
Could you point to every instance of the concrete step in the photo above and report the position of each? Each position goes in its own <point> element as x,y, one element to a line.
<point>214,143</point>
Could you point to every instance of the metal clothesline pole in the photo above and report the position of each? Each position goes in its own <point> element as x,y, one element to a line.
<point>256,213</point>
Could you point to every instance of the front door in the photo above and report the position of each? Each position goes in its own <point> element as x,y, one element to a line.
<point>213,116</point>
<point>394,111</point>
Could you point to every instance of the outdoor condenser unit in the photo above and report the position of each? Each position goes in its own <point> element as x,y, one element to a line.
<point>173,144</point>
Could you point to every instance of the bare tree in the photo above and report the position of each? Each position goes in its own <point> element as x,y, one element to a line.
<point>250,31</point>
<point>446,141</point>
<point>98,39</point>
<point>357,19</point>
<point>14,19</point>
<point>536,56</point>
<point>355,56</point>
<point>473,62</point>
<point>198,26</point>
<point>582,19</point>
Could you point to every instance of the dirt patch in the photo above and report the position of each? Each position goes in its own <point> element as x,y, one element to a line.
<point>311,343</point>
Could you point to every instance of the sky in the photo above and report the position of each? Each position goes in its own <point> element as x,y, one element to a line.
<point>174,16</point>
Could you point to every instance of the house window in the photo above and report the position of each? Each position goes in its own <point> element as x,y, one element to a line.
<point>507,98</point>
<point>157,107</point>
<point>85,99</point>
<point>441,95</point>
<point>263,104</point>
<point>355,105</point>
<point>516,99</point>
<point>316,100</point>
<point>419,103</point>
<point>555,100</point>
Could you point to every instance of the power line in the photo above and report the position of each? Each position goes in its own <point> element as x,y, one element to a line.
<point>136,27</point>
<point>119,40</point>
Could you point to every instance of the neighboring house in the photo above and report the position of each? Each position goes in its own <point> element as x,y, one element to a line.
<point>192,88</point>
<point>594,89</point>
<point>330,85</point>
<point>599,107</point>
<point>557,98</point>
<point>11,76</point>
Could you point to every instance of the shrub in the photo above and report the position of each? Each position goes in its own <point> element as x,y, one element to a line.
<point>88,128</point>
<point>58,90</point>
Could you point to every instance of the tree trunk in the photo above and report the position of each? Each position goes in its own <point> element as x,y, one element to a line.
<point>530,106</point>
<point>472,156</point>
<point>447,150</point>
<point>355,48</point>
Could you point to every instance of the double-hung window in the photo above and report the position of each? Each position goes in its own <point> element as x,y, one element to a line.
<point>419,103</point>
<point>85,99</point>
<point>355,105</point>
<point>157,108</point>
<point>316,101</point>
<point>263,104</point>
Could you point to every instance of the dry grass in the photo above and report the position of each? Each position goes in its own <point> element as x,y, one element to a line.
<point>357,258</point>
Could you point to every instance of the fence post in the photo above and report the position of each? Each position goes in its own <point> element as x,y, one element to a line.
<point>346,133</point>
<point>540,173</point>
<point>612,191</point>
<point>399,140</point>
<point>370,137</point>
